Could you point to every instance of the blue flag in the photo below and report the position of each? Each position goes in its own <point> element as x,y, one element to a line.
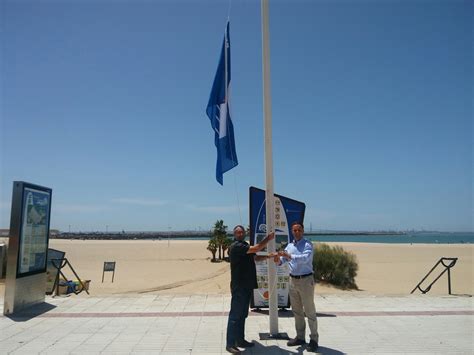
<point>218,111</point>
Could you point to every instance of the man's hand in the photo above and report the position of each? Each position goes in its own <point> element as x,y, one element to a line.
<point>284,254</point>
<point>257,247</point>
<point>275,256</point>
<point>267,256</point>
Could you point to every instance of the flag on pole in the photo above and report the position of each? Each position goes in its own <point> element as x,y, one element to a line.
<point>218,111</point>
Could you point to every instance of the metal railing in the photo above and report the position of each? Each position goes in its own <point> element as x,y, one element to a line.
<point>59,264</point>
<point>447,267</point>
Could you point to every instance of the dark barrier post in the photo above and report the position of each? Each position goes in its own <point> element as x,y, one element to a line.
<point>452,262</point>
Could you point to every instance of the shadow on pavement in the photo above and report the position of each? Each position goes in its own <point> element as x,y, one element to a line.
<point>328,351</point>
<point>274,349</point>
<point>459,295</point>
<point>284,313</point>
<point>31,312</point>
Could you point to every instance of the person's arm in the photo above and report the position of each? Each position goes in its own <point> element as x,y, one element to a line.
<point>281,258</point>
<point>303,257</point>
<point>264,257</point>
<point>257,247</point>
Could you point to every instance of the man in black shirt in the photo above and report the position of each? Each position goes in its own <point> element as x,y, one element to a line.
<point>243,281</point>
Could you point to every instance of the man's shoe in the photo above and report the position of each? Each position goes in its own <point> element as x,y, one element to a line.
<point>296,342</point>
<point>245,344</point>
<point>313,346</point>
<point>233,350</point>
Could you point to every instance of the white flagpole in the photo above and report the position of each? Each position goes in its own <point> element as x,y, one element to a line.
<point>270,203</point>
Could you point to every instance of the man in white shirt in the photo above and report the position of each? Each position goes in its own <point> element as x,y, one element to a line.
<point>299,255</point>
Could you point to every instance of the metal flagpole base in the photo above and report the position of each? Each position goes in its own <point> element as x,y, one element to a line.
<point>277,336</point>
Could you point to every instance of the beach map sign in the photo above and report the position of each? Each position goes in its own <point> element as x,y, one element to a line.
<point>287,211</point>
<point>28,241</point>
<point>34,231</point>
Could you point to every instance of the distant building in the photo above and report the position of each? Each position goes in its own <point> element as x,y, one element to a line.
<point>5,233</point>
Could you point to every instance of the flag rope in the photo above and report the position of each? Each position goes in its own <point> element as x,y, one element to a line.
<point>231,151</point>
<point>237,197</point>
<point>228,11</point>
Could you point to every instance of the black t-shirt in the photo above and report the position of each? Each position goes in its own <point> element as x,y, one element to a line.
<point>242,266</point>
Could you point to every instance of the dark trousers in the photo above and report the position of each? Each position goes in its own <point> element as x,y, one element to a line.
<point>239,310</point>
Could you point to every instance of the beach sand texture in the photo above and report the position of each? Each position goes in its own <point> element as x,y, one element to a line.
<point>183,266</point>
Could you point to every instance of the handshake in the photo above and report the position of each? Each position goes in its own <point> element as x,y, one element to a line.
<point>276,256</point>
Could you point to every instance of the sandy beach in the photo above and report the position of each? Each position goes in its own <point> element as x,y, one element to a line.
<point>181,266</point>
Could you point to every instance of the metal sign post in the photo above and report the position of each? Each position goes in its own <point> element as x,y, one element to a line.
<point>109,266</point>
<point>28,247</point>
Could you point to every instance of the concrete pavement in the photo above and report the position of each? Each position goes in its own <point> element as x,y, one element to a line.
<point>196,324</point>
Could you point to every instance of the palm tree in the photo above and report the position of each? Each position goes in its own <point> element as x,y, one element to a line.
<point>212,247</point>
<point>226,246</point>
<point>220,234</point>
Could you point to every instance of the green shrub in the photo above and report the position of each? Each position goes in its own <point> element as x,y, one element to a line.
<point>335,266</point>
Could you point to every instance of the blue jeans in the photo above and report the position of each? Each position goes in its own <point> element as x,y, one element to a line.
<point>239,310</point>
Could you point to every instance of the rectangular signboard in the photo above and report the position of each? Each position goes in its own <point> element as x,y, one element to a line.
<point>287,211</point>
<point>109,265</point>
<point>34,230</point>
<point>27,247</point>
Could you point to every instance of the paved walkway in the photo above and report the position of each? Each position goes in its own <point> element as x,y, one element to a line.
<point>176,324</point>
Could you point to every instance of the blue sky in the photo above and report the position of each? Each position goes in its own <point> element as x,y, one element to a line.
<point>104,102</point>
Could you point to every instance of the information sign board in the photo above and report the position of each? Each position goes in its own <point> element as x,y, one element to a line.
<point>109,266</point>
<point>287,211</point>
<point>34,230</point>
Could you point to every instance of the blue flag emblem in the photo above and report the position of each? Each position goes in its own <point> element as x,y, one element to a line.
<point>218,111</point>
